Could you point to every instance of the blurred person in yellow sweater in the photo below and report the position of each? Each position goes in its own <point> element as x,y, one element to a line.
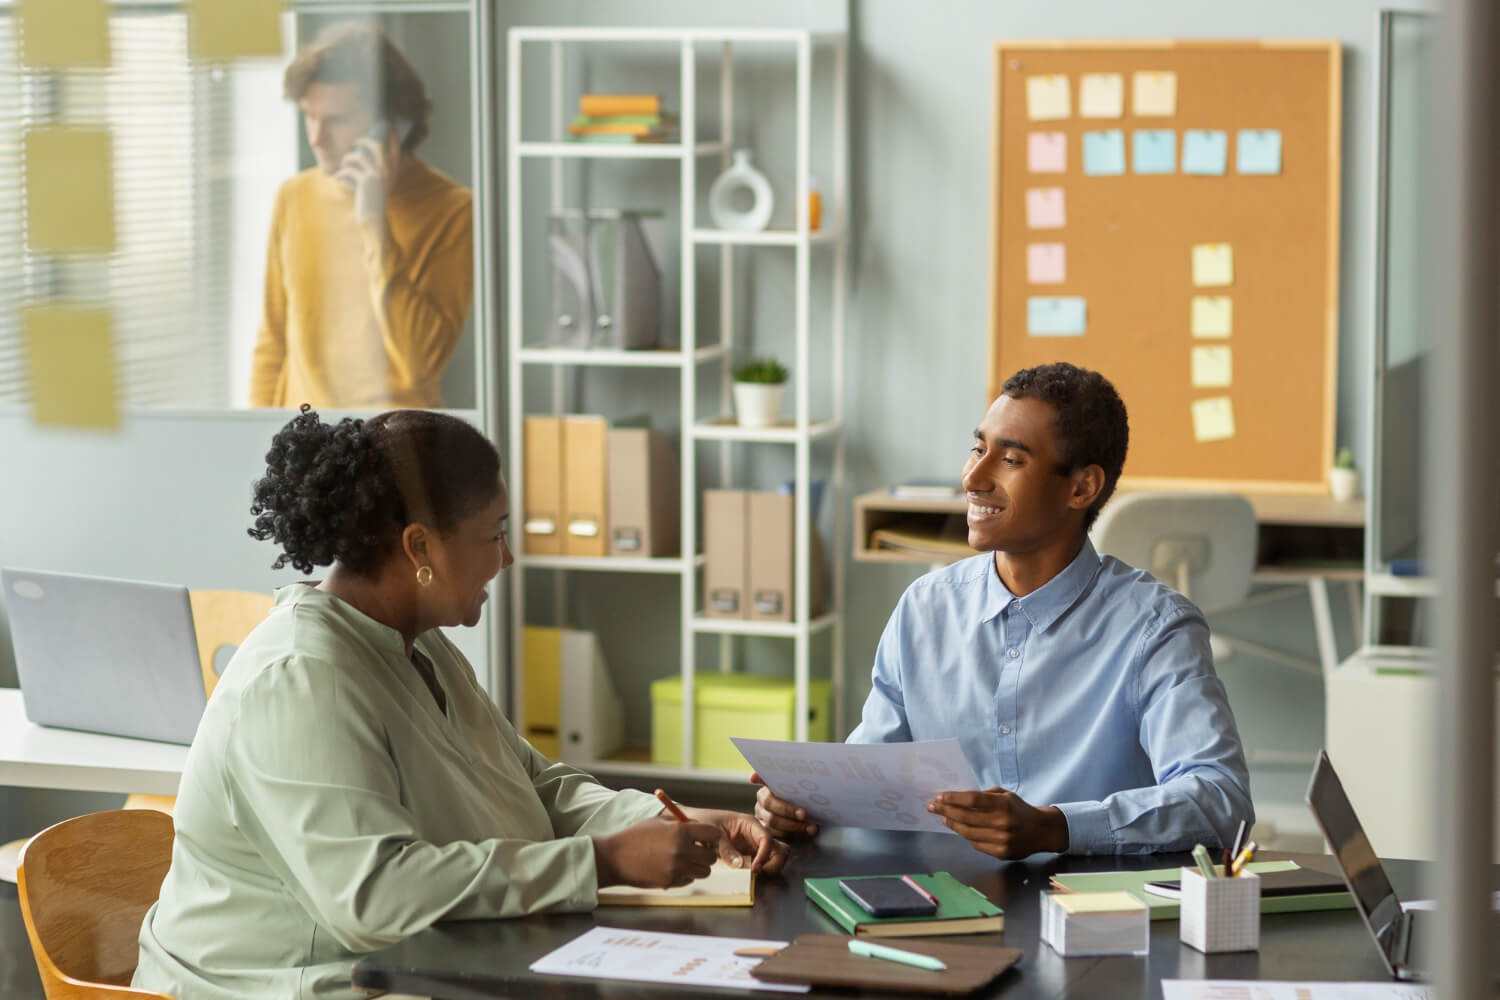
<point>370,266</point>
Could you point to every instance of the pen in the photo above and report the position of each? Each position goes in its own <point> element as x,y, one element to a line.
<point>672,807</point>
<point>925,894</point>
<point>1205,863</point>
<point>1243,859</point>
<point>869,950</point>
<point>1232,851</point>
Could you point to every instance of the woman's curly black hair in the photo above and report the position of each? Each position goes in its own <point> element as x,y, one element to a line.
<point>346,491</point>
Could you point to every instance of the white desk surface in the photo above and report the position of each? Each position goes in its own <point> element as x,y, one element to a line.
<point>35,756</point>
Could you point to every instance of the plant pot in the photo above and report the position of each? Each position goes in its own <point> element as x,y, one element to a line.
<point>1343,483</point>
<point>758,404</point>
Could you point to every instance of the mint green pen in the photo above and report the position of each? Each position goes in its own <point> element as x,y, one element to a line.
<point>868,949</point>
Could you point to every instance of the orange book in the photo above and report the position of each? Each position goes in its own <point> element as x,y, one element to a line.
<point>596,105</point>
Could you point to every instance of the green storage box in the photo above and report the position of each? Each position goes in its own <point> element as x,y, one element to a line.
<point>733,705</point>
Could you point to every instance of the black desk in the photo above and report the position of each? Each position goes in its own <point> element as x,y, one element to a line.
<point>488,958</point>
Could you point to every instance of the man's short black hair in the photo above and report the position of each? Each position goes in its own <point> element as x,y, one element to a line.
<point>1090,428</point>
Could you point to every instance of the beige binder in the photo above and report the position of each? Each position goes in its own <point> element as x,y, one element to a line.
<point>644,494</point>
<point>541,523</point>
<point>584,522</point>
<point>771,567</point>
<point>725,520</point>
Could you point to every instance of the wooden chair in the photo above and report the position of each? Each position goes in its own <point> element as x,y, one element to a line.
<point>85,886</point>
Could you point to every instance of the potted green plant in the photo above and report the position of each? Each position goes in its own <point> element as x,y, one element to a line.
<point>758,387</point>
<point>1343,478</point>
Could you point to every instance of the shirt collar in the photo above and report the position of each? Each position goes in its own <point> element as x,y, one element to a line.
<point>1049,602</point>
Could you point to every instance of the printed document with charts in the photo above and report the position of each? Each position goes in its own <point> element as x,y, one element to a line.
<point>656,957</point>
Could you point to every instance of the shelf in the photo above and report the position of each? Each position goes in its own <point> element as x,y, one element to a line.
<point>725,429</point>
<point>614,151</point>
<point>549,34</point>
<point>655,357</point>
<point>767,237</point>
<point>606,564</point>
<point>744,626</point>
<point>1389,585</point>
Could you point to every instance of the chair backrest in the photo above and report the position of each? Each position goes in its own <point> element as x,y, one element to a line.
<point>223,618</point>
<point>1203,544</point>
<point>85,886</point>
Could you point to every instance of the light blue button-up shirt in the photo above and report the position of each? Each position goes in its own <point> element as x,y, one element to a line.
<point>1095,693</point>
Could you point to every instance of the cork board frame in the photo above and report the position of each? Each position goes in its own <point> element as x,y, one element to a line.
<point>1128,242</point>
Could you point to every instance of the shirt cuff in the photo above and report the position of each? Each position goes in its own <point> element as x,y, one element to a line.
<point>1089,831</point>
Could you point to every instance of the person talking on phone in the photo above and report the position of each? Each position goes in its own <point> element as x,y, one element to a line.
<point>370,262</point>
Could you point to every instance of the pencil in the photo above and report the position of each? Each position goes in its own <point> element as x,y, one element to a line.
<point>672,807</point>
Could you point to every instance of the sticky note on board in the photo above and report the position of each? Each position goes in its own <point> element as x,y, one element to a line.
<point>1213,419</point>
<point>1213,315</point>
<point>1045,208</point>
<point>70,360</point>
<point>221,30</point>
<point>1204,152</point>
<point>1257,151</point>
<point>1213,264</point>
<point>1047,152</point>
<point>1154,94</point>
<point>1056,317</point>
<point>1046,263</point>
<point>1104,153</point>
<point>1213,367</point>
<point>64,34</point>
<point>1048,98</point>
<point>1101,95</point>
<point>70,193</point>
<point>1155,151</point>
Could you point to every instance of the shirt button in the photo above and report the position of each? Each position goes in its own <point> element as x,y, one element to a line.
<point>1005,730</point>
<point>1013,652</point>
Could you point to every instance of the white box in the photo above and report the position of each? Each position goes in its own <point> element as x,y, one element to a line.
<point>1096,923</point>
<point>1220,914</point>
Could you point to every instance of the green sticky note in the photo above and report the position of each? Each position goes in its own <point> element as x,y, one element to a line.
<point>63,34</point>
<point>70,195</point>
<point>71,363</point>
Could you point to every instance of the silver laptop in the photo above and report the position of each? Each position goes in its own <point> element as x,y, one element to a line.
<point>106,656</point>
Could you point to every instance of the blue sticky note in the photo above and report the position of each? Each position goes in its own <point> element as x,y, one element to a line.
<point>1056,317</point>
<point>1104,153</point>
<point>1155,151</point>
<point>1258,151</point>
<point>1204,152</point>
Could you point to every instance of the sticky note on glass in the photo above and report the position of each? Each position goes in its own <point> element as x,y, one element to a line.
<point>1056,317</point>
<point>1045,208</point>
<point>1213,367</point>
<point>70,194</point>
<point>1213,264</point>
<point>1213,315</point>
<point>1154,94</point>
<point>1257,151</point>
<point>221,30</point>
<point>1046,263</point>
<point>1204,152</point>
<point>1213,419</point>
<point>1047,152</point>
<point>1103,153</point>
<point>1047,98</point>
<point>64,34</point>
<point>1155,151</point>
<point>71,362</point>
<point>1101,95</point>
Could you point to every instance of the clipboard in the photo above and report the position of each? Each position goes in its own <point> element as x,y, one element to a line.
<point>825,960</point>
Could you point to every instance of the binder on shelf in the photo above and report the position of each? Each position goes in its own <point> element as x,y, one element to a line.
<point>644,499</point>
<point>771,570</point>
<point>541,523</point>
<point>725,528</point>
<point>590,717</point>
<point>541,662</point>
<point>584,479</point>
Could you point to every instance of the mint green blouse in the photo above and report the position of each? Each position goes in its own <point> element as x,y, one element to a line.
<point>328,808</point>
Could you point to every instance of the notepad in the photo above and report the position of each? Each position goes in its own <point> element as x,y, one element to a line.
<point>962,909</point>
<point>723,886</point>
<point>1165,909</point>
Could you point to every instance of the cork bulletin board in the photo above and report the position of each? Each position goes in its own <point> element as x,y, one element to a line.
<point>1167,213</point>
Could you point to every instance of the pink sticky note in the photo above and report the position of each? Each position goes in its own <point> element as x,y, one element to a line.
<point>1046,263</point>
<point>1047,152</point>
<point>1044,208</point>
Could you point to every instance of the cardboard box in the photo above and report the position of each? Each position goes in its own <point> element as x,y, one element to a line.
<point>541,520</point>
<point>733,705</point>
<point>585,474</point>
<point>644,494</point>
<point>771,571</point>
<point>725,528</point>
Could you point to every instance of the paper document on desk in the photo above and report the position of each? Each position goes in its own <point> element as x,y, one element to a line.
<point>879,786</point>
<point>654,957</point>
<point>1234,989</point>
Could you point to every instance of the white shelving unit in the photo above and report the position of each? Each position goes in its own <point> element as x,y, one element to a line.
<point>799,434</point>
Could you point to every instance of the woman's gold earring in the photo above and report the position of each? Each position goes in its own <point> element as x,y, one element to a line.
<point>424,575</point>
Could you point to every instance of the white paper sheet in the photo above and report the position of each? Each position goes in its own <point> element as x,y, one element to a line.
<point>1233,989</point>
<point>879,786</point>
<point>654,957</point>
<point>1431,904</point>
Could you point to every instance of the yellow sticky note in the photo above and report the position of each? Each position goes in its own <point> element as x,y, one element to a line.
<point>1101,95</point>
<point>70,194</point>
<point>1154,94</point>
<point>1047,97</point>
<point>71,358</point>
<point>219,30</point>
<point>1213,367</point>
<point>1213,419</point>
<point>63,34</point>
<point>1213,264</point>
<point>1213,315</point>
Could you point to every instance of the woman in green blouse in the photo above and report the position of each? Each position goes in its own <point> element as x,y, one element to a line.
<point>350,783</point>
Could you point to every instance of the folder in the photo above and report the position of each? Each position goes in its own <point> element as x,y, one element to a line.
<point>644,494</point>
<point>725,524</point>
<point>825,960</point>
<point>590,718</point>
<point>584,479</point>
<point>771,567</point>
<point>541,660</point>
<point>541,507</point>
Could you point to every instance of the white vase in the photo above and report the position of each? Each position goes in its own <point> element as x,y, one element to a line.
<point>721,197</point>
<point>1343,483</point>
<point>758,404</point>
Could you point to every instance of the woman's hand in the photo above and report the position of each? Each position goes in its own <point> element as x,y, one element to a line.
<point>656,854</point>
<point>745,840</point>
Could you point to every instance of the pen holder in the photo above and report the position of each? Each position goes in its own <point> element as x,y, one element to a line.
<point>1220,914</point>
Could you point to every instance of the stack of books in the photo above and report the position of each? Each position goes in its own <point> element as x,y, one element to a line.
<point>623,118</point>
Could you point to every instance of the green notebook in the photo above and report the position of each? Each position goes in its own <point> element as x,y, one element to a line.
<point>961,909</point>
<point>1166,909</point>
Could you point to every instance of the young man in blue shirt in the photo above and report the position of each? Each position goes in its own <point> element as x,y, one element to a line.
<point>1082,691</point>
